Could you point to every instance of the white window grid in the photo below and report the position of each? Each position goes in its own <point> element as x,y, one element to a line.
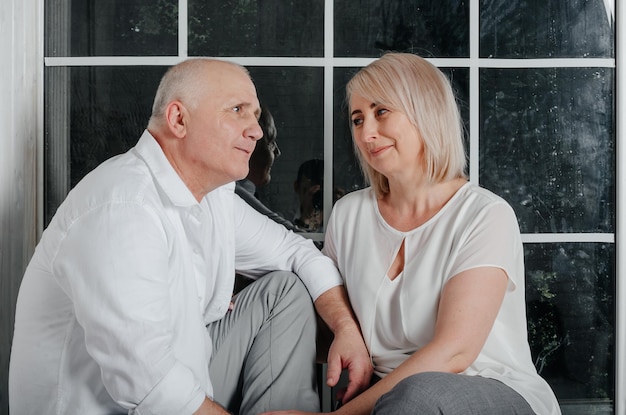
<point>474,63</point>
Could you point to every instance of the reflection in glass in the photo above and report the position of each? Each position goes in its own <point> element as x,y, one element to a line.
<point>294,95</point>
<point>571,322</point>
<point>111,28</point>
<point>348,175</point>
<point>365,28</point>
<point>256,28</point>
<point>546,29</point>
<point>108,108</point>
<point>547,146</point>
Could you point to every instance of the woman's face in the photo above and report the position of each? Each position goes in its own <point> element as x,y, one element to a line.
<point>385,137</point>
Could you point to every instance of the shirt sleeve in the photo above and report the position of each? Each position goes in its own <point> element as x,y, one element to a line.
<point>113,263</point>
<point>263,246</point>
<point>491,239</point>
<point>330,247</point>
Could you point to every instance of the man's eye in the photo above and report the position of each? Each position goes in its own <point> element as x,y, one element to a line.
<point>237,108</point>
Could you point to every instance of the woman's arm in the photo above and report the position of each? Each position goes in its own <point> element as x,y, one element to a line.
<point>468,307</point>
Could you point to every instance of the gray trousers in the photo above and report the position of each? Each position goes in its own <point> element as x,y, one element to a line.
<point>264,349</point>
<point>451,394</point>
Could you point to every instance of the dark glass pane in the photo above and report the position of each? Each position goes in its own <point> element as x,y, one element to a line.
<point>346,168</point>
<point>547,145</point>
<point>295,97</point>
<point>347,171</point>
<point>256,28</point>
<point>112,28</point>
<point>570,297</point>
<point>546,29</point>
<point>107,110</point>
<point>365,28</point>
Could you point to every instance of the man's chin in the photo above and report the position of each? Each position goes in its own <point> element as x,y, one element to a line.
<point>243,174</point>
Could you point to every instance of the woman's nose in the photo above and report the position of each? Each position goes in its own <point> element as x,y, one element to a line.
<point>369,130</point>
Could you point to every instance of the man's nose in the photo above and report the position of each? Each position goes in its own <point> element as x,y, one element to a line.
<point>254,131</point>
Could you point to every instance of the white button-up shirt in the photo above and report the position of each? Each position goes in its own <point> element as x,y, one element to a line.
<point>113,306</point>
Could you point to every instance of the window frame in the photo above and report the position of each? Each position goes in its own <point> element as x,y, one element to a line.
<point>474,63</point>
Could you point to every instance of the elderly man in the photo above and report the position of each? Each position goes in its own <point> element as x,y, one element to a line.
<point>126,305</point>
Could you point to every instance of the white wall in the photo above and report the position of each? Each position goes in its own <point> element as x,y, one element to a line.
<point>21,66</point>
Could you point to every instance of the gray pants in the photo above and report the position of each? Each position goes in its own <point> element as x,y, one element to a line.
<point>451,394</point>
<point>264,349</point>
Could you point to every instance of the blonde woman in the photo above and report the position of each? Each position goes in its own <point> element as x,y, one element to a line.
<point>433,264</point>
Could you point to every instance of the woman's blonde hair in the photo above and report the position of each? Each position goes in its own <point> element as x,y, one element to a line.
<point>410,84</point>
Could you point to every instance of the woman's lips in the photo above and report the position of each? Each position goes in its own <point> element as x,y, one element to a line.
<point>378,150</point>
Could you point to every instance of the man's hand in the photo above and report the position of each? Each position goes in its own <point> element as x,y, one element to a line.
<point>210,407</point>
<point>347,350</point>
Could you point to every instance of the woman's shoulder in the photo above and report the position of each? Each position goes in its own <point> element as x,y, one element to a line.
<point>480,205</point>
<point>480,196</point>
<point>355,199</point>
<point>354,206</point>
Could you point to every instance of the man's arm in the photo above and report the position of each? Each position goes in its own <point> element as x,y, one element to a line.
<point>347,350</point>
<point>264,246</point>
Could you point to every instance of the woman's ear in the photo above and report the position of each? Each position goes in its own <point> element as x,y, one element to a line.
<point>176,117</point>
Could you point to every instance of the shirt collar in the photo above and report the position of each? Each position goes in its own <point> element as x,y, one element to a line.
<point>165,175</point>
<point>163,172</point>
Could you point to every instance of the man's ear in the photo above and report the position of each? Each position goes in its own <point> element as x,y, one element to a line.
<point>176,116</point>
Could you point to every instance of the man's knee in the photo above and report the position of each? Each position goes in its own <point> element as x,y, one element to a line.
<point>287,291</point>
<point>286,284</point>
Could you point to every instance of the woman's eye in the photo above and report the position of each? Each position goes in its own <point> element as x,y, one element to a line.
<point>357,121</point>
<point>381,111</point>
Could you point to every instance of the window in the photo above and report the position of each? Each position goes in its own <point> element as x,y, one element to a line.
<point>536,88</point>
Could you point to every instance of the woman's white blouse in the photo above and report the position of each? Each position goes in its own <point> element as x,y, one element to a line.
<point>476,228</point>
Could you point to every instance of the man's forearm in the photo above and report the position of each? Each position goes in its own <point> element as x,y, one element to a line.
<point>347,351</point>
<point>333,306</point>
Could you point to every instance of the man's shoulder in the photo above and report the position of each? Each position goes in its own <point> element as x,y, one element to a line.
<point>121,179</point>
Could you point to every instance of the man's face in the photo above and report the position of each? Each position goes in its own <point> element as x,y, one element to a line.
<point>223,128</point>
